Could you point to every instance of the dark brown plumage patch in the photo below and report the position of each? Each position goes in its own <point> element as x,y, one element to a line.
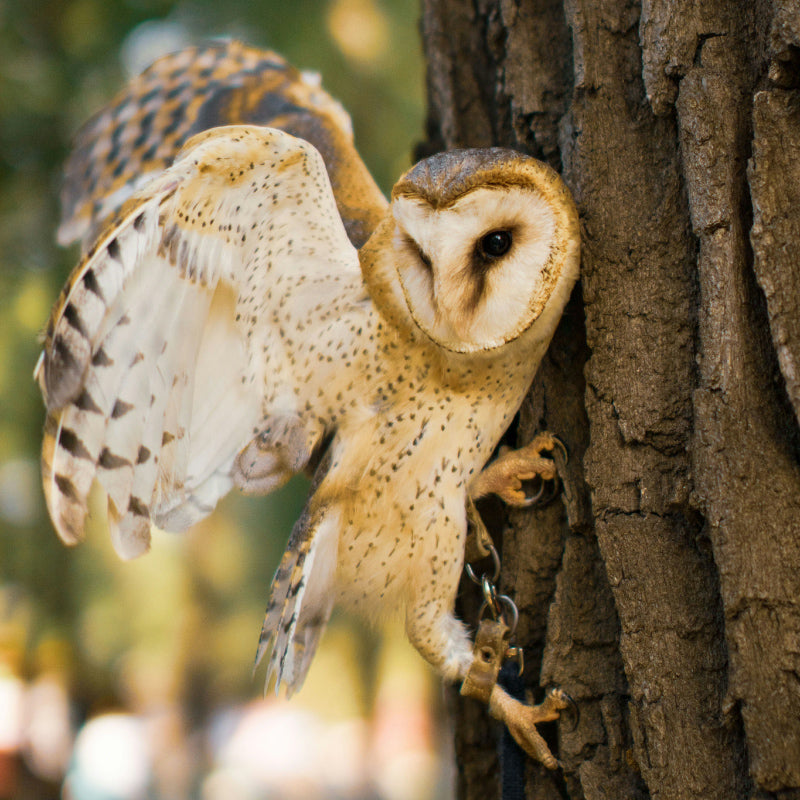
<point>62,358</point>
<point>109,460</point>
<point>85,402</point>
<point>71,442</point>
<point>137,507</point>
<point>72,316</point>
<point>66,487</point>
<point>113,250</point>
<point>445,177</point>
<point>121,408</point>
<point>480,265</point>
<point>90,282</point>
<point>101,359</point>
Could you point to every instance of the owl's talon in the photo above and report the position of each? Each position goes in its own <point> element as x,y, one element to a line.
<point>505,475</point>
<point>521,720</point>
<point>563,448</point>
<point>572,715</point>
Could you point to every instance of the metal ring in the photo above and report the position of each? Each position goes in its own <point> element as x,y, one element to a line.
<point>554,492</point>
<point>512,607</point>
<point>490,595</point>
<point>495,601</point>
<point>495,573</point>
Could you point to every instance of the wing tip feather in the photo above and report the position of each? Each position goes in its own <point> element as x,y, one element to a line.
<point>68,514</point>
<point>65,504</point>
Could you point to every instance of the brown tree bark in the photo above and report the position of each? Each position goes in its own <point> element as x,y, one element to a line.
<point>664,593</point>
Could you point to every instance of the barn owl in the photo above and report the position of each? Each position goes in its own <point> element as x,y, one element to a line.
<point>249,306</point>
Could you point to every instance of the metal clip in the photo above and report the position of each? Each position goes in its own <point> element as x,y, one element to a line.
<point>495,566</point>
<point>496,605</point>
<point>501,607</point>
<point>518,654</point>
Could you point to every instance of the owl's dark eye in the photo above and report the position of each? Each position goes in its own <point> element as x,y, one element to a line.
<point>496,244</point>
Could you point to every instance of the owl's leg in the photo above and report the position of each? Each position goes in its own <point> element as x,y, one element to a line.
<point>504,476</point>
<point>444,643</point>
<point>441,639</point>
<point>277,453</point>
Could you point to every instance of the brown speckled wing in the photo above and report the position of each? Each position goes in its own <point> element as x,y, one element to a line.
<point>139,134</point>
<point>159,364</point>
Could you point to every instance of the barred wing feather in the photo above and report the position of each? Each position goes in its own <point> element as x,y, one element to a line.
<point>152,369</point>
<point>136,137</point>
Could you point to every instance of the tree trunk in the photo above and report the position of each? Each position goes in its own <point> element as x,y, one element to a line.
<point>664,593</point>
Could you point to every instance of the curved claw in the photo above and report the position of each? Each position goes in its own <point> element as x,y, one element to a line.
<point>534,500</point>
<point>561,446</point>
<point>540,499</point>
<point>572,714</point>
<point>537,500</point>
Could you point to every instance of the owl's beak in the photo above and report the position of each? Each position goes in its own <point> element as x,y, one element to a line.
<point>450,301</point>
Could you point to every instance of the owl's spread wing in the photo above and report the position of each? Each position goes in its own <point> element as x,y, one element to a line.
<point>137,136</point>
<point>153,370</point>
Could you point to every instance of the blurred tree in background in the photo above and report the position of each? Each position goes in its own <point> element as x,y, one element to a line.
<point>190,612</point>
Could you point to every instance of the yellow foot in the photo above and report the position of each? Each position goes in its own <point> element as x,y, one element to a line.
<point>504,476</point>
<point>521,720</point>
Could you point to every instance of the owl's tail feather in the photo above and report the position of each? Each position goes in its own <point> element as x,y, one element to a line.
<point>300,602</point>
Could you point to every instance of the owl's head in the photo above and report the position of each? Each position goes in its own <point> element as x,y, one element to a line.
<point>484,244</point>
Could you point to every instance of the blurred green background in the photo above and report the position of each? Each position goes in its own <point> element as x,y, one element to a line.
<point>176,629</point>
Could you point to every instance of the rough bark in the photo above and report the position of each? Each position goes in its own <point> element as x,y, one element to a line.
<point>664,593</point>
